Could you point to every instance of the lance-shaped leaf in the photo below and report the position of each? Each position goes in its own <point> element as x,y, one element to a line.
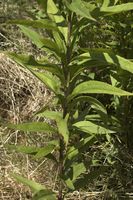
<point>116,9</point>
<point>33,127</point>
<point>69,184</point>
<point>55,15</point>
<point>61,123</point>
<point>44,151</point>
<point>78,169</point>
<point>97,87</point>
<point>81,8</point>
<point>40,191</point>
<point>100,57</point>
<point>41,23</point>
<point>38,152</point>
<point>48,79</point>
<point>91,128</point>
<point>29,61</point>
<point>109,3</point>
<point>23,149</point>
<point>94,117</point>
<point>95,104</point>
<point>35,187</point>
<point>79,147</point>
<point>44,194</point>
<point>53,115</point>
<point>39,41</point>
<point>63,129</point>
<point>75,170</point>
<point>60,42</point>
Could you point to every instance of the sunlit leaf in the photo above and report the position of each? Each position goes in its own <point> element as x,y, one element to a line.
<point>44,151</point>
<point>100,57</point>
<point>78,169</point>
<point>91,128</point>
<point>32,127</point>
<point>97,87</point>
<point>69,184</point>
<point>55,15</point>
<point>63,129</point>
<point>29,61</point>
<point>39,41</point>
<point>48,79</point>
<point>53,115</point>
<point>23,149</point>
<point>41,23</point>
<point>117,8</point>
<point>61,123</point>
<point>32,184</point>
<point>81,8</point>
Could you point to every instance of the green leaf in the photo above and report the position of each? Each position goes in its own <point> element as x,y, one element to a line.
<point>94,117</point>
<point>78,169</point>
<point>97,87</point>
<point>39,41</point>
<point>44,194</point>
<point>41,23</point>
<point>116,9</point>
<point>92,128</point>
<point>32,127</point>
<point>59,41</point>
<point>44,151</point>
<point>81,8</point>
<point>38,152</point>
<point>80,146</point>
<point>95,104</point>
<point>100,57</point>
<point>105,3</point>
<point>35,187</point>
<point>109,3</point>
<point>75,170</point>
<point>23,149</point>
<point>55,15</point>
<point>63,129</point>
<point>123,63</point>
<point>53,115</point>
<point>49,80</point>
<point>29,62</point>
<point>61,123</point>
<point>69,184</point>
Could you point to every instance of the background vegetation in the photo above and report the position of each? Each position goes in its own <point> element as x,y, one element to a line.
<point>21,95</point>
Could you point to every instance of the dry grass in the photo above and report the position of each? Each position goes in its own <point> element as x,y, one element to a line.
<point>21,94</point>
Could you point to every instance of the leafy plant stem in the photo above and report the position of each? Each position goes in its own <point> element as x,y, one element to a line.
<point>63,146</point>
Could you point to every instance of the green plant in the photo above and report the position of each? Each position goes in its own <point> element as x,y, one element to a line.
<point>67,70</point>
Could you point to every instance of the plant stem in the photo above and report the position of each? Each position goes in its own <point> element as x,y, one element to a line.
<point>64,107</point>
<point>61,159</point>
